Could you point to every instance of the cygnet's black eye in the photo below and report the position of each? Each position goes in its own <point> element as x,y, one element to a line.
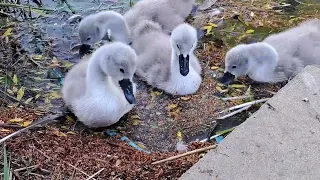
<point>130,43</point>
<point>178,46</point>
<point>88,39</point>
<point>234,66</point>
<point>121,70</point>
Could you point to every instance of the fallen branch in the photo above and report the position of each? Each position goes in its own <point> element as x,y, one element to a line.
<point>235,112</point>
<point>46,119</point>
<point>235,98</point>
<point>95,174</point>
<point>185,154</point>
<point>244,104</point>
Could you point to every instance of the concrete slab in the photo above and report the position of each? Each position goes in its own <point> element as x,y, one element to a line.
<point>280,141</point>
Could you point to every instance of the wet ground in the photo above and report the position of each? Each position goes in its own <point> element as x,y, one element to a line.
<point>37,53</point>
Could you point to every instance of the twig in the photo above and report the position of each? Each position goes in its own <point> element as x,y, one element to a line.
<point>23,6</point>
<point>235,98</point>
<point>69,6</point>
<point>244,104</point>
<point>95,174</point>
<point>78,169</point>
<point>46,119</point>
<point>235,112</point>
<point>35,62</point>
<point>39,175</point>
<point>3,125</point>
<point>185,154</point>
<point>119,145</point>
<point>271,92</point>
<point>25,168</point>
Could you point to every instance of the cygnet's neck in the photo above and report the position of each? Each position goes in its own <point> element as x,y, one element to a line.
<point>96,78</point>
<point>175,67</point>
<point>262,55</point>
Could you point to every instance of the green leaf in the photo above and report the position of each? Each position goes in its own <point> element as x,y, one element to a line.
<point>250,31</point>
<point>40,12</point>
<point>208,28</point>
<point>225,131</point>
<point>8,80</point>
<point>15,79</point>
<point>28,100</point>
<point>20,93</point>
<point>8,32</point>
<point>5,163</point>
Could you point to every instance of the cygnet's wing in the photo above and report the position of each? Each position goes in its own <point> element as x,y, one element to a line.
<point>167,13</point>
<point>75,82</point>
<point>153,63</point>
<point>288,40</point>
<point>306,52</point>
<point>309,49</point>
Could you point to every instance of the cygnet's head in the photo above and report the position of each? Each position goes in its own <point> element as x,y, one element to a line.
<point>95,28</point>
<point>236,63</point>
<point>90,31</point>
<point>243,58</point>
<point>183,42</point>
<point>118,61</point>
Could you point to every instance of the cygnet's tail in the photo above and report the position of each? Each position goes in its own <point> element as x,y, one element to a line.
<point>146,26</point>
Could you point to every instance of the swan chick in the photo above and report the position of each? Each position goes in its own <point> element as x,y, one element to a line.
<point>278,57</point>
<point>100,89</point>
<point>258,61</point>
<point>168,13</point>
<point>168,63</point>
<point>104,25</point>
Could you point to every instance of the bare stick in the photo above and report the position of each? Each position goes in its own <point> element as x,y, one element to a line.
<point>3,125</point>
<point>25,168</point>
<point>185,154</point>
<point>45,119</point>
<point>95,174</point>
<point>235,98</point>
<point>235,112</point>
<point>244,104</point>
<point>78,169</point>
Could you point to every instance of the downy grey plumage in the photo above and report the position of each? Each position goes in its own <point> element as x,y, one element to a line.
<point>278,57</point>
<point>165,62</point>
<point>99,89</point>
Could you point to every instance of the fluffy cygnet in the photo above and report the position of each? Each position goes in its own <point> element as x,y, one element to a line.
<point>168,13</point>
<point>105,25</point>
<point>278,57</point>
<point>165,62</point>
<point>99,89</point>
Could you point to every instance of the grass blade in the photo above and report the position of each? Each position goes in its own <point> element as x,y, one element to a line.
<point>5,164</point>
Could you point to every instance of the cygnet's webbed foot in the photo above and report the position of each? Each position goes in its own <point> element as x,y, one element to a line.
<point>227,78</point>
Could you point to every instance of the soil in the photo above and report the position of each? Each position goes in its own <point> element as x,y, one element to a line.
<point>62,150</point>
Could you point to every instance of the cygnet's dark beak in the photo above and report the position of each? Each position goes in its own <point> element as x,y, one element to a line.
<point>84,49</point>
<point>126,86</point>
<point>227,78</point>
<point>184,65</point>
